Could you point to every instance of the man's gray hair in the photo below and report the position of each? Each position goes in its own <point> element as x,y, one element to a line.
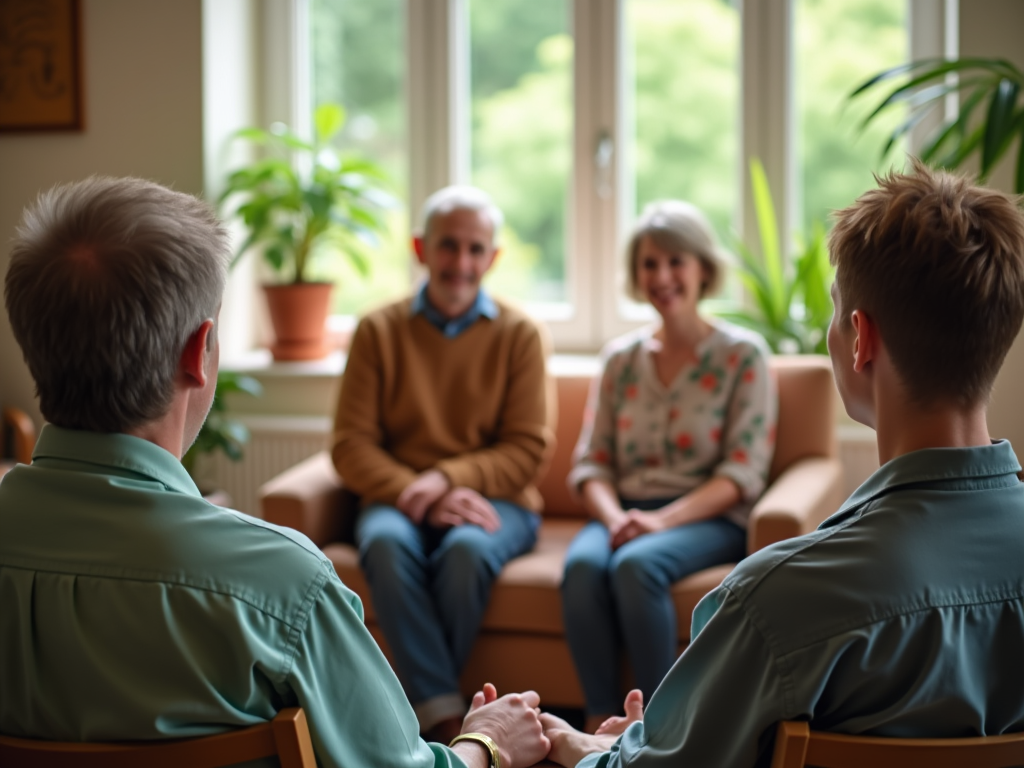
<point>108,280</point>
<point>677,227</point>
<point>461,198</point>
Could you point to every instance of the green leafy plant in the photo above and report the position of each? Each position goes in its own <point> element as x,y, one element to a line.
<point>993,85</point>
<point>220,432</point>
<point>301,197</point>
<point>790,302</point>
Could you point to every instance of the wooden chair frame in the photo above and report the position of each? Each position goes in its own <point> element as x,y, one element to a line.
<point>796,745</point>
<point>286,736</point>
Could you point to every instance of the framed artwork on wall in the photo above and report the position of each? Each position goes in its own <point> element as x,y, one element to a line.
<point>40,66</point>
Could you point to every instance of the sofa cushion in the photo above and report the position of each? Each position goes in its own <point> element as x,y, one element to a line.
<point>526,599</point>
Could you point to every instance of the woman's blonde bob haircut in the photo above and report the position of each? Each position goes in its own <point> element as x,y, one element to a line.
<point>677,227</point>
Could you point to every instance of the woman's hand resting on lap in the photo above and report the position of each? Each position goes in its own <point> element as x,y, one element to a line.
<point>636,523</point>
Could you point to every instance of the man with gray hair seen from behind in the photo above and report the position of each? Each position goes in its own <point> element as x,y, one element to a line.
<point>444,419</point>
<point>133,609</point>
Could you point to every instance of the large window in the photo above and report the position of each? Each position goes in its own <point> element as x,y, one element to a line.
<point>520,90</point>
<point>574,114</point>
<point>359,62</point>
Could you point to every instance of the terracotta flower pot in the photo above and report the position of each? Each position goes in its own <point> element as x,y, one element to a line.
<point>298,313</point>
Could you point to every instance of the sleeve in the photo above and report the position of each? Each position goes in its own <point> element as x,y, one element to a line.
<point>717,706</point>
<point>525,435</point>
<point>748,437</point>
<point>358,454</point>
<point>358,713</point>
<point>595,452</point>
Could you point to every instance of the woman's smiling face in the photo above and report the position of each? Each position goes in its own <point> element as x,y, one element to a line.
<point>672,282</point>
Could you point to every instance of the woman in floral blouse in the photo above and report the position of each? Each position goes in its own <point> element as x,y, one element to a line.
<point>675,449</point>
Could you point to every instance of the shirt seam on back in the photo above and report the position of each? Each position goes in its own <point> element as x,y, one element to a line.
<point>241,597</point>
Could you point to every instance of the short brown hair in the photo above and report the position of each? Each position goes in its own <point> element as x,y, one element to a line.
<point>938,263</point>
<point>677,227</point>
<point>108,280</point>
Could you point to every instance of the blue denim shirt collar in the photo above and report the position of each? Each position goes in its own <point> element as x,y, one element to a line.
<point>987,464</point>
<point>484,306</point>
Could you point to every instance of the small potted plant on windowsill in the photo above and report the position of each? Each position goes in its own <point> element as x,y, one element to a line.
<point>301,199</point>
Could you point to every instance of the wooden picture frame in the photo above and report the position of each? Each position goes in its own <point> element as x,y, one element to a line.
<point>40,66</point>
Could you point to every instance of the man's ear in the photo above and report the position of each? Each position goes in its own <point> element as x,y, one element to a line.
<point>866,339</point>
<point>193,365</point>
<point>417,247</point>
<point>494,257</point>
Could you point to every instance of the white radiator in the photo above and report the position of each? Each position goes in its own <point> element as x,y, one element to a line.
<point>276,443</point>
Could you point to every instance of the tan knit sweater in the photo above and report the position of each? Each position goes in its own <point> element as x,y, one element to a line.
<point>479,407</point>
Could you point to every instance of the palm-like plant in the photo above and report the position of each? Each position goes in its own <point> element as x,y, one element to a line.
<point>988,121</point>
<point>791,302</point>
<point>300,196</point>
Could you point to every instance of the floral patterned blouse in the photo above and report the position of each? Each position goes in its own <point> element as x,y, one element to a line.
<point>716,418</point>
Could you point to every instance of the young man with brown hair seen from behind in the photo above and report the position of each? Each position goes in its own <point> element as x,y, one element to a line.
<point>903,615</point>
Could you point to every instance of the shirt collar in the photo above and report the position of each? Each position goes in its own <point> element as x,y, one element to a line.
<point>934,465</point>
<point>483,306</point>
<point>117,451</point>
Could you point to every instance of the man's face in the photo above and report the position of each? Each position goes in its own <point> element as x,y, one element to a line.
<point>854,386</point>
<point>457,250</point>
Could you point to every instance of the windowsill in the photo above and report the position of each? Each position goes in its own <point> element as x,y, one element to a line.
<point>259,362</point>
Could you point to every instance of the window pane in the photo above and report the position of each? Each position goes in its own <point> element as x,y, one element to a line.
<point>359,62</point>
<point>521,102</point>
<point>682,105</point>
<point>839,45</point>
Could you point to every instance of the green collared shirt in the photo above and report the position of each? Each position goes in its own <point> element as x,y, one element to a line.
<point>130,608</point>
<point>901,616</point>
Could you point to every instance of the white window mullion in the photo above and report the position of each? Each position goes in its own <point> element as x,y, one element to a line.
<point>436,77</point>
<point>767,112</point>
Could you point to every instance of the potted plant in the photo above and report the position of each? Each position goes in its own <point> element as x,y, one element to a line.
<point>792,306</point>
<point>995,85</point>
<point>220,432</point>
<point>298,200</point>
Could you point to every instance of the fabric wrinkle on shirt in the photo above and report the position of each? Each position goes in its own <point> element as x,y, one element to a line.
<point>133,609</point>
<point>901,616</point>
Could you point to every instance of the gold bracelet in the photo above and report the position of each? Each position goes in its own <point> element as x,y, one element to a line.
<point>484,739</point>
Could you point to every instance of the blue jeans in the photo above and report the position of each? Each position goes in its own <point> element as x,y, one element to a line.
<point>623,595</point>
<point>430,588</point>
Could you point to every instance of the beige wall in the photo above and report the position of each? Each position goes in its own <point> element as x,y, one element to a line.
<point>994,28</point>
<point>143,109</point>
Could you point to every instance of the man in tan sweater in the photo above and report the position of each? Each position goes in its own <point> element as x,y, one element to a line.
<point>443,422</point>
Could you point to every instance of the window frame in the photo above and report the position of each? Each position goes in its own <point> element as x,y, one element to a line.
<point>437,93</point>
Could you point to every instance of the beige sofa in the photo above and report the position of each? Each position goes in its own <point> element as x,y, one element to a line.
<point>521,644</point>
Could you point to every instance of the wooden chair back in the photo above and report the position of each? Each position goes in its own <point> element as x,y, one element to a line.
<point>286,736</point>
<point>19,432</point>
<point>796,745</point>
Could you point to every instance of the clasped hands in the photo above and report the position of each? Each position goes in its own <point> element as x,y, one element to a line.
<point>431,498</point>
<point>525,735</point>
<point>627,525</point>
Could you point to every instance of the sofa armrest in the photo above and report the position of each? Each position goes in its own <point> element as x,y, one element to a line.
<point>805,494</point>
<point>310,498</point>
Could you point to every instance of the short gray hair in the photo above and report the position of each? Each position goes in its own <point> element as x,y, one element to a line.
<point>677,227</point>
<point>108,280</point>
<point>461,198</point>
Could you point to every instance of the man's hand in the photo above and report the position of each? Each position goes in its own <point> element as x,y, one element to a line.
<point>464,505</point>
<point>421,493</point>
<point>512,721</point>
<point>616,726</point>
<point>569,746</point>
<point>636,523</point>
